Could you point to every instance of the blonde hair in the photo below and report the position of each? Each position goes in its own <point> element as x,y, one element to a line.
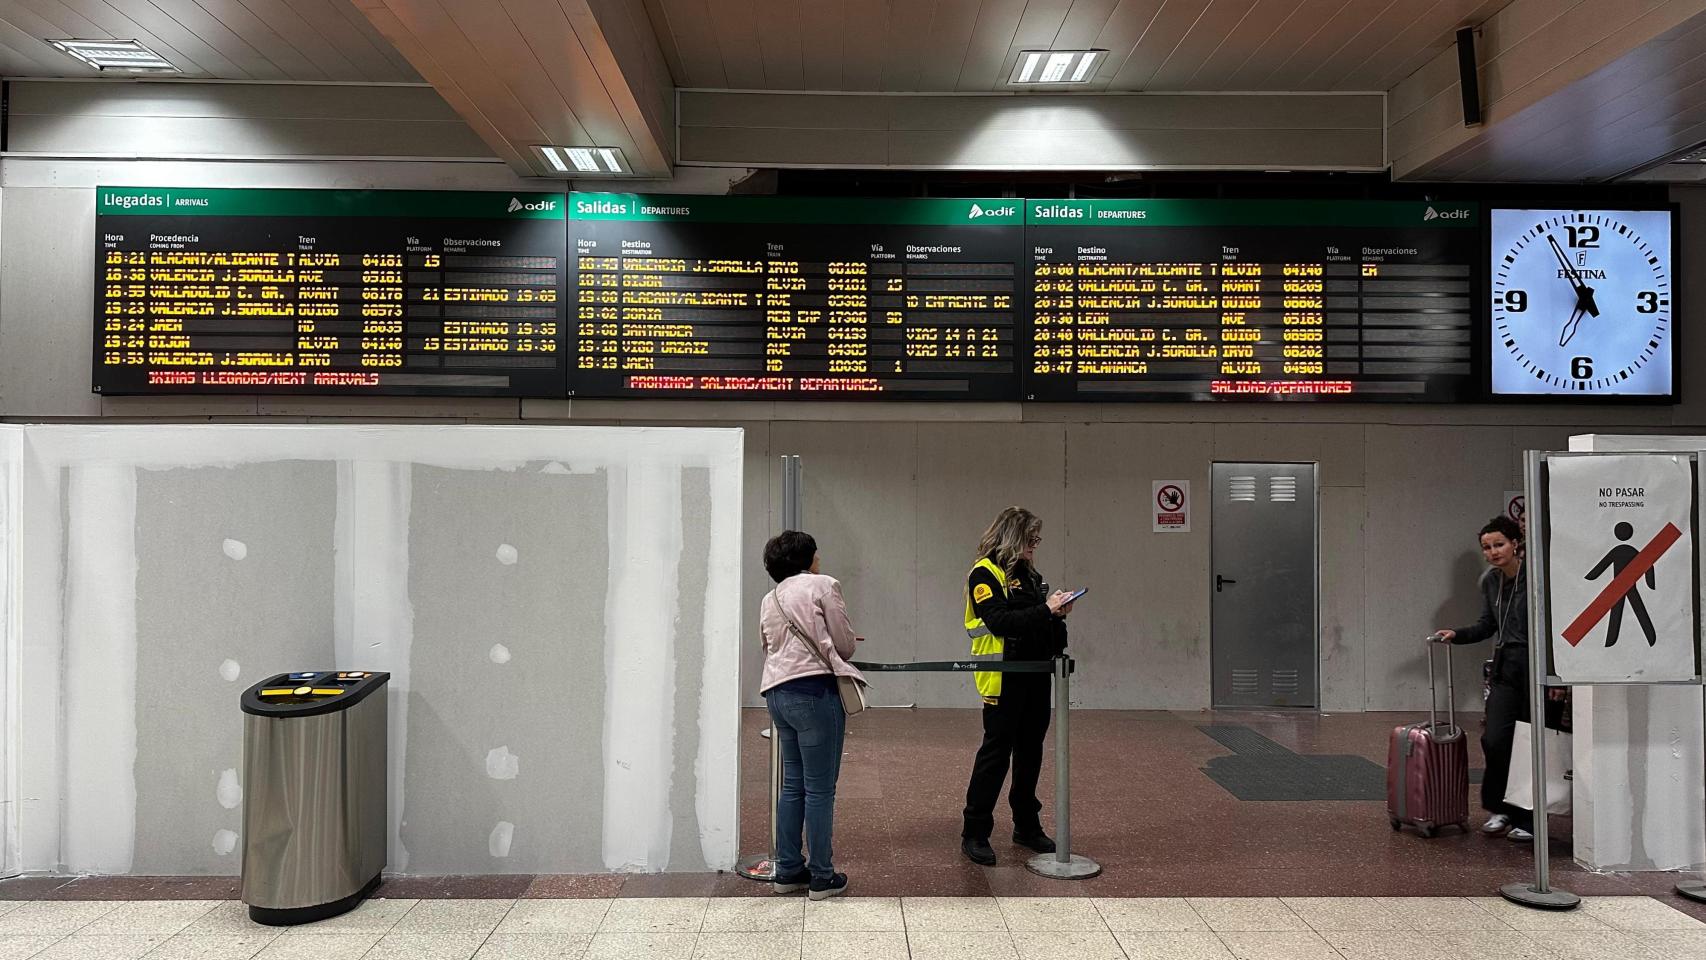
<point>1008,536</point>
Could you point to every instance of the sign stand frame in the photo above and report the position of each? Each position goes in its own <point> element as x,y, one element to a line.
<point>1541,894</point>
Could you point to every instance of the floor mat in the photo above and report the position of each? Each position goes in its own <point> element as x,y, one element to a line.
<point>1260,769</point>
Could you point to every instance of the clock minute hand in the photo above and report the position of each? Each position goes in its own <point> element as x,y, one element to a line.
<point>1584,293</point>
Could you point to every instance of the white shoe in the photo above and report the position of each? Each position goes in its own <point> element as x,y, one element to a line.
<point>1519,835</point>
<point>1496,824</point>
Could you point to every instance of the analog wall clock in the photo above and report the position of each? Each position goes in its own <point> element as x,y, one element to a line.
<point>1582,303</point>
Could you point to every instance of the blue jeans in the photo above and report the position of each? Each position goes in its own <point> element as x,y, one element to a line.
<point>810,728</point>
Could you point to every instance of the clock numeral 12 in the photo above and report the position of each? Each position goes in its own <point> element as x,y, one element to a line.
<point>1583,236</point>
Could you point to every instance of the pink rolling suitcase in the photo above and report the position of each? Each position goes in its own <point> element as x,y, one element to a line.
<point>1427,764</point>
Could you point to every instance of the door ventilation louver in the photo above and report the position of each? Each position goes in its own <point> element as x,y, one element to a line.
<point>1242,489</point>
<point>1285,682</point>
<point>1282,489</point>
<point>1246,681</point>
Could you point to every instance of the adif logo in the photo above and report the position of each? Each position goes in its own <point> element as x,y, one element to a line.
<point>516,206</point>
<point>1433,214</point>
<point>980,211</point>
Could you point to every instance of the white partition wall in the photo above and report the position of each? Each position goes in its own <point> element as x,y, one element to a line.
<point>559,608</point>
<point>1640,763</point>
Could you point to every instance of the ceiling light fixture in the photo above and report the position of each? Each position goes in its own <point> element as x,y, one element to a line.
<point>1051,67</point>
<point>591,161</point>
<point>129,56</point>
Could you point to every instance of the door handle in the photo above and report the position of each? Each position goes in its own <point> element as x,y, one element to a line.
<point>1220,581</point>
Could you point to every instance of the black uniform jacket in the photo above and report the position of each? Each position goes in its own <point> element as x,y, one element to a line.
<point>1020,616</point>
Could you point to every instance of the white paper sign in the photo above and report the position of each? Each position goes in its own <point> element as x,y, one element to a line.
<point>1171,501</point>
<point>1621,570</point>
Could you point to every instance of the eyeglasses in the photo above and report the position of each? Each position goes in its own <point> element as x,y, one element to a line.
<point>1033,541</point>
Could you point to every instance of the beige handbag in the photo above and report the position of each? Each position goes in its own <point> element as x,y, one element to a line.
<point>852,689</point>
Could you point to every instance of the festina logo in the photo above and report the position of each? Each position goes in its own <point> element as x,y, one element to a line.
<point>1581,273</point>
<point>1433,214</point>
<point>980,211</point>
<point>515,205</point>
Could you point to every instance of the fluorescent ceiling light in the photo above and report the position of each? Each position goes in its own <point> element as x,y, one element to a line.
<point>572,161</point>
<point>1038,67</point>
<point>127,55</point>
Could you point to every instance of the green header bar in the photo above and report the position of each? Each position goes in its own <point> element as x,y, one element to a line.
<point>1249,213</point>
<point>692,209</point>
<point>454,205</point>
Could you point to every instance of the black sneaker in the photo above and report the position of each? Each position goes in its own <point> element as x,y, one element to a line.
<point>833,887</point>
<point>978,851</point>
<point>1039,841</point>
<point>793,884</point>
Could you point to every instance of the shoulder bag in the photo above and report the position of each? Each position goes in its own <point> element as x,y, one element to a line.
<point>851,689</point>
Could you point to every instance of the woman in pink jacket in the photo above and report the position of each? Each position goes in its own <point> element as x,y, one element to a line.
<point>807,640</point>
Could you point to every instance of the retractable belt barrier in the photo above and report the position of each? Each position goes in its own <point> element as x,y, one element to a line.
<point>1063,864</point>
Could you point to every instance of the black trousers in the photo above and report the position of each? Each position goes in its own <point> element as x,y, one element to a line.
<point>1507,702</point>
<point>1013,729</point>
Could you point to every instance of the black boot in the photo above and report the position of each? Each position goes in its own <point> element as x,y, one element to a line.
<point>1038,841</point>
<point>978,851</point>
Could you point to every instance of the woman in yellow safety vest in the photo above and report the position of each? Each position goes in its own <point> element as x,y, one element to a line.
<point>1010,615</point>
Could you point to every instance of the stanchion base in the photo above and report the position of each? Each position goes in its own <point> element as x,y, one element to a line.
<point>1525,894</point>
<point>757,867</point>
<point>1050,865</point>
<point>1692,889</point>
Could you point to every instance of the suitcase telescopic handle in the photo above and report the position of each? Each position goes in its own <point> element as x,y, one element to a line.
<point>1433,689</point>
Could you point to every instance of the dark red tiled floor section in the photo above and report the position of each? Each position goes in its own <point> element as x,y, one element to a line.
<point>1141,807</point>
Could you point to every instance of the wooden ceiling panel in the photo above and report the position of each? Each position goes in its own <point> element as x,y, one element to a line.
<point>734,25</point>
<point>691,40</point>
<point>291,28</point>
<point>865,32</point>
<point>1219,24</point>
<point>1084,23</point>
<point>1159,40</point>
<point>1296,28</point>
<point>822,27</point>
<point>909,44</point>
<point>50,18</point>
<point>1120,35</point>
<point>1341,22</point>
<point>207,27</point>
<point>1405,51</point>
<point>781,43</point>
<point>1038,26</point>
<point>951,32</point>
<point>991,38</point>
<point>1249,35</point>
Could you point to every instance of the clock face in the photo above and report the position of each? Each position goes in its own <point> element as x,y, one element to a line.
<point>1582,303</point>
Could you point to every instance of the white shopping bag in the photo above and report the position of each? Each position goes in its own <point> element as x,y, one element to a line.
<point>1519,789</point>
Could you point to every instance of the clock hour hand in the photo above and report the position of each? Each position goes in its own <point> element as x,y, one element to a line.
<point>1584,293</point>
<point>1569,331</point>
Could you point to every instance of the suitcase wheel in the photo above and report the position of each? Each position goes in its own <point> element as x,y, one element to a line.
<point>1396,823</point>
<point>1428,833</point>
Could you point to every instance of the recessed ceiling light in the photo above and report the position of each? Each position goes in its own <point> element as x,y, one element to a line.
<point>1049,67</point>
<point>126,55</point>
<point>572,161</point>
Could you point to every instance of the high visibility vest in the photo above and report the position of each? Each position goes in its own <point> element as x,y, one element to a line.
<point>984,644</point>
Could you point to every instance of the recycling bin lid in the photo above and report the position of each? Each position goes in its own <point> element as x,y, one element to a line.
<point>307,693</point>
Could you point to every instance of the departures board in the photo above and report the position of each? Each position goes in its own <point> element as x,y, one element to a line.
<point>787,298</point>
<point>1225,299</point>
<point>329,292</point>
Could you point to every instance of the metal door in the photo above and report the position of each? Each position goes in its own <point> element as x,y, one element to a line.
<point>1265,626</point>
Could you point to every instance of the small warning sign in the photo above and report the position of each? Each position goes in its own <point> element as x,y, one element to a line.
<point>1172,499</point>
<point>1516,507</point>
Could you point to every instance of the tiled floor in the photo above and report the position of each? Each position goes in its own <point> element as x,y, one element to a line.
<point>868,928</point>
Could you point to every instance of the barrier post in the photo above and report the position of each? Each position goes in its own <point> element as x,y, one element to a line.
<point>1063,864</point>
<point>1540,893</point>
<point>762,866</point>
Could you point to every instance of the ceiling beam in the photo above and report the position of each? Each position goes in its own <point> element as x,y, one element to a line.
<point>577,73</point>
<point>1551,74</point>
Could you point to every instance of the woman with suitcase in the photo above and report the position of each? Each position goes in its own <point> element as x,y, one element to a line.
<point>1504,620</point>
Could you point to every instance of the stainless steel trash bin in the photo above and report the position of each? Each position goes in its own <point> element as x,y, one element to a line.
<point>314,824</point>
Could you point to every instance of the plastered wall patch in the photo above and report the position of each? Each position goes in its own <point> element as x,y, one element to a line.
<point>224,841</point>
<point>500,839</point>
<point>230,670</point>
<point>507,555</point>
<point>501,764</point>
<point>498,654</point>
<point>235,549</point>
<point>229,792</point>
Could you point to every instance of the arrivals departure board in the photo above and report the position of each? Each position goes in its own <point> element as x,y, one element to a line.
<point>776,297</point>
<point>329,292</point>
<point>1245,300</point>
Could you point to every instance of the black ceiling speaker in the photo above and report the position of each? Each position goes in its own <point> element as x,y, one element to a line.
<point>1467,79</point>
